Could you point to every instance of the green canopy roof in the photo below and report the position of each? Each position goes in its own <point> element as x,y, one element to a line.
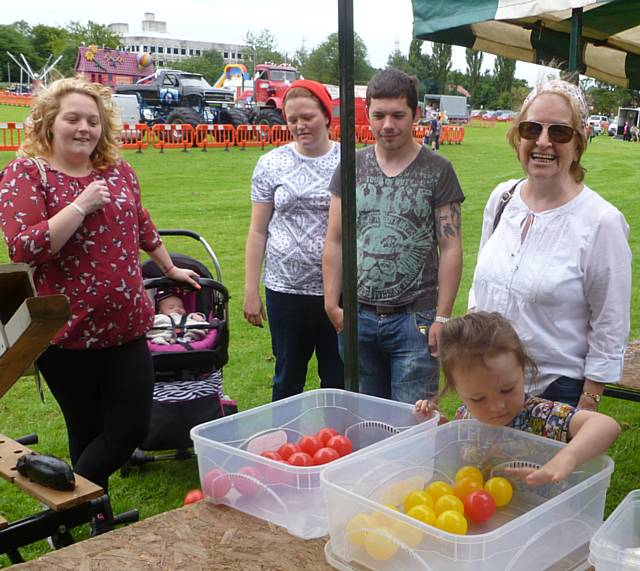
<point>538,31</point>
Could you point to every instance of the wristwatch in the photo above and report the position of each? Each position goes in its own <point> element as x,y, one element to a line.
<point>596,397</point>
<point>442,319</point>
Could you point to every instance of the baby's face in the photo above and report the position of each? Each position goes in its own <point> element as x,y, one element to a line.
<point>171,304</point>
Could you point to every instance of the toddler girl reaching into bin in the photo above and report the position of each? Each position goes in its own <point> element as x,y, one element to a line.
<point>484,361</point>
<point>172,324</point>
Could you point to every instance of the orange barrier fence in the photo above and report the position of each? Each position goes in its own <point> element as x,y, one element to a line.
<point>419,132</point>
<point>11,135</point>
<point>334,132</point>
<point>253,135</point>
<point>452,134</point>
<point>215,136</point>
<point>7,98</point>
<point>280,135</point>
<point>480,122</point>
<point>172,137</point>
<point>364,135</point>
<point>134,136</point>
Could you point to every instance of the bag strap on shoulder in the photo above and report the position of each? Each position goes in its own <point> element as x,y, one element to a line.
<point>40,167</point>
<point>504,200</point>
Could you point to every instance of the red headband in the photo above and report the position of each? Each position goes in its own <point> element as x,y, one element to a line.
<point>319,90</point>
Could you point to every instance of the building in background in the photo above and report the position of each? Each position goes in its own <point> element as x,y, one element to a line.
<point>164,48</point>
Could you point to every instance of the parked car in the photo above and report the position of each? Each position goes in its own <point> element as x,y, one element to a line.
<point>596,123</point>
<point>613,127</point>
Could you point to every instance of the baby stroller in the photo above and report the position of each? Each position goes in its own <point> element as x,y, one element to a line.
<point>188,375</point>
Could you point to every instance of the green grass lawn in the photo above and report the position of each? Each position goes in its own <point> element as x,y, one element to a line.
<point>210,194</point>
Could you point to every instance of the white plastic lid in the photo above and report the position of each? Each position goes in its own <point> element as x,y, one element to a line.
<point>617,541</point>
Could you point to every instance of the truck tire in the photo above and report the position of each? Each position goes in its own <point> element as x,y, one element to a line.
<point>185,116</point>
<point>270,117</point>
<point>234,117</point>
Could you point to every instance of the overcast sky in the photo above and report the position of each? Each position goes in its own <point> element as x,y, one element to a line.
<point>382,24</point>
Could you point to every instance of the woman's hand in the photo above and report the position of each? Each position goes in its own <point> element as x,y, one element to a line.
<point>183,275</point>
<point>94,197</point>
<point>336,316</point>
<point>253,309</point>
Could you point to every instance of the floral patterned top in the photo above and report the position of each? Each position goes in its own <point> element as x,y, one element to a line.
<point>98,268</point>
<point>539,416</point>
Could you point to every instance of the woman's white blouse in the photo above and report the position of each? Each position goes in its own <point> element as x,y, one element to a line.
<point>566,288</point>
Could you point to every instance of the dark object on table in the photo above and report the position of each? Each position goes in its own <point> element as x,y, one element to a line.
<point>48,471</point>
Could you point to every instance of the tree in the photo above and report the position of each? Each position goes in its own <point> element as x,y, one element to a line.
<point>398,60</point>
<point>420,66</point>
<point>261,49</point>
<point>323,64</point>
<point>474,68</point>
<point>441,65</point>
<point>210,65</point>
<point>300,58</point>
<point>503,71</point>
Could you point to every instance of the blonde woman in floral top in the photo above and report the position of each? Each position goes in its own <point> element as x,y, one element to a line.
<point>70,207</point>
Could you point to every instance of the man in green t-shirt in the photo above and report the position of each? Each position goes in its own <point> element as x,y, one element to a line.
<point>409,247</point>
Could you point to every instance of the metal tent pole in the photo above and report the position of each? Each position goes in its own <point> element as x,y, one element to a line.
<point>348,168</point>
<point>575,42</point>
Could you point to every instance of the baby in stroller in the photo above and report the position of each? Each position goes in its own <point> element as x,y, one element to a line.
<point>172,324</point>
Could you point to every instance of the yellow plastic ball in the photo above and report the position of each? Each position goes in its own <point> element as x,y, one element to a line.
<point>423,513</point>
<point>453,522</point>
<point>356,529</point>
<point>381,518</point>
<point>438,488</point>
<point>448,502</point>
<point>381,544</point>
<point>500,490</point>
<point>417,498</point>
<point>469,472</point>
<point>407,533</point>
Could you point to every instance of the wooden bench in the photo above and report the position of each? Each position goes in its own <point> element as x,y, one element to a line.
<point>629,387</point>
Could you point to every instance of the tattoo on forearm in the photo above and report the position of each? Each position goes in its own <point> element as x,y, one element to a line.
<point>448,222</point>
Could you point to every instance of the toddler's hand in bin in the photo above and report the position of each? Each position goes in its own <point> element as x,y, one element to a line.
<point>425,409</point>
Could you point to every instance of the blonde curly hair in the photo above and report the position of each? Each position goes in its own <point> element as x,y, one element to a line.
<point>38,140</point>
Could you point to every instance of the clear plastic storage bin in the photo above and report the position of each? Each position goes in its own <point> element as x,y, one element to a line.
<point>616,545</point>
<point>538,528</point>
<point>232,472</point>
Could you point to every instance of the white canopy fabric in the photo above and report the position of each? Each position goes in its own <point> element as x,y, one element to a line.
<point>539,31</point>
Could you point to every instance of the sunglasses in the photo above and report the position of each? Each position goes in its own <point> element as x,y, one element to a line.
<point>531,130</point>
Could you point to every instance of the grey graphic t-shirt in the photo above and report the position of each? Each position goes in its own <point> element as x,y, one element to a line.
<point>397,246</point>
<point>298,186</point>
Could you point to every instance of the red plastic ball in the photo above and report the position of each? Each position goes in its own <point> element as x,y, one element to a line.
<point>479,506</point>
<point>216,483</point>
<point>324,456</point>
<point>288,449</point>
<point>341,444</point>
<point>247,480</point>
<point>325,434</point>
<point>192,497</point>
<point>309,444</point>
<point>300,459</point>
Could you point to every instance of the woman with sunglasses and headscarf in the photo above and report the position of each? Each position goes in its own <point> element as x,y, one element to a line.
<point>554,257</point>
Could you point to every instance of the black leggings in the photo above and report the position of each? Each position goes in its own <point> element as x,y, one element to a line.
<point>105,396</point>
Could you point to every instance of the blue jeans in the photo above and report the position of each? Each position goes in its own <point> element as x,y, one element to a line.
<point>564,389</point>
<point>393,355</point>
<point>299,326</point>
